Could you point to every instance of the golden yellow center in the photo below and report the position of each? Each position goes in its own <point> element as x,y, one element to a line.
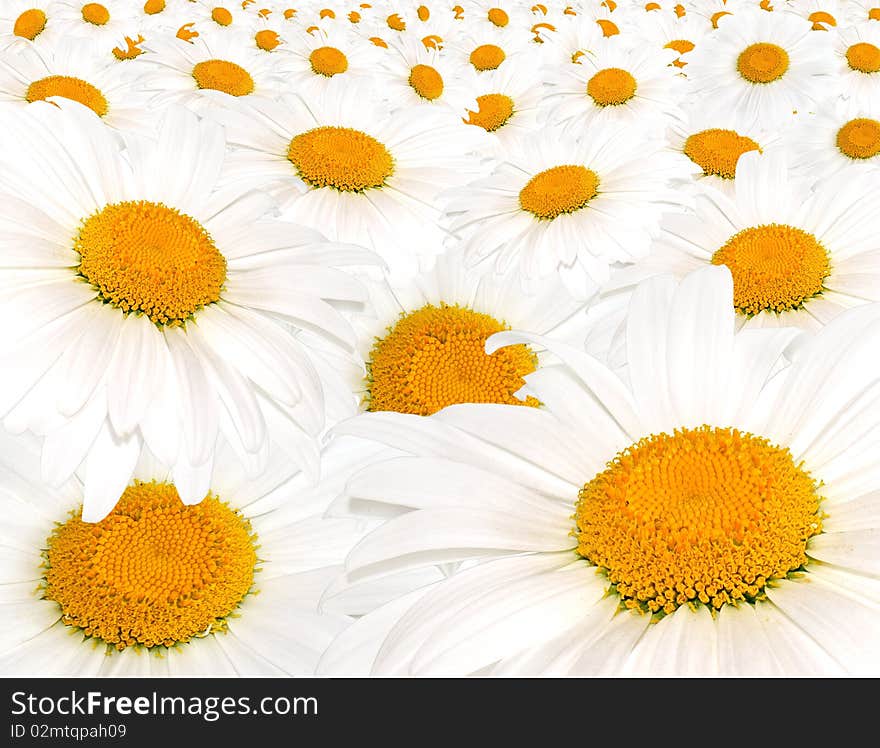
<point>69,88</point>
<point>395,22</point>
<point>859,138</point>
<point>611,87</point>
<point>609,28</point>
<point>225,76</point>
<point>152,7</point>
<point>423,13</point>
<point>864,57</point>
<point>682,46</point>
<point>487,57</point>
<point>821,19</point>
<point>495,109</point>
<point>154,572</point>
<point>29,24</point>
<point>426,82</point>
<point>95,13</point>
<point>436,356</point>
<point>704,515</point>
<point>340,157</point>
<point>558,190</point>
<point>717,151</point>
<point>874,14</point>
<point>762,63</point>
<point>187,32</point>
<point>498,17</point>
<point>267,40</point>
<point>775,267</point>
<point>146,257</point>
<point>221,16</point>
<point>131,50</point>
<point>328,61</point>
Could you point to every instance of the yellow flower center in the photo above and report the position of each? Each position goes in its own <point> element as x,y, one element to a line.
<point>423,13</point>
<point>611,87</point>
<point>187,32</point>
<point>395,22</point>
<point>498,17</point>
<point>153,572</point>
<point>267,40</point>
<point>426,82</point>
<point>340,157</point>
<point>221,16</point>
<point>436,356</point>
<point>762,63</point>
<point>859,138</point>
<point>864,57</point>
<point>682,46</point>
<point>95,13</point>
<point>69,88</point>
<point>131,50</point>
<point>874,14</point>
<point>487,57</point>
<point>820,19</point>
<point>152,7</point>
<point>558,190</point>
<point>716,17</point>
<point>146,257</point>
<point>30,24</point>
<point>705,515</point>
<point>774,267</point>
<point>328,61</point>
<point>225,76</point>
<point>609,28</point>
<point>495,110</point>
<point>716,151</point>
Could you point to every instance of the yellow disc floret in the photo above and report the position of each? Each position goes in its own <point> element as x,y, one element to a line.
<point>146,257</point>
<point>859,138</point>
<point>225,76</point>
<point>611,87</point>
<point>706,515</point>
<point>30,24</point>
<point>495,110</point>
<point>716,151</point>
<point>340,157</point>
<point>426,82</point>
<point>69,88</point>
<point>436,356</point>
<point>864,57</point>
<point>775,267</point>
<point>762,63</point>
<point>558,190</point>
<point>95,13</point>
<point>154,572</point>
<point>328,61</point>
<point>498,17</point>
<point>487,57</point>
<point>221,16</point>
<point>267,40</point>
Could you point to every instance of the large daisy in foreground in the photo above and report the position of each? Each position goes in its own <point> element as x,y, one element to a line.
<point>228,587</point>
<point>714,516</point>
<point>151,308</point>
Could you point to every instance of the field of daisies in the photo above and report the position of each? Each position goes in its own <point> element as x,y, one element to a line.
<point>397,338</point>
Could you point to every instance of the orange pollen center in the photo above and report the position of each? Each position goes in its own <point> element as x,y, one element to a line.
<point>498,17</point>
<point>426,82</point>
<point>611,87</point>
<point>864,57</point>
<point>487,57</point>
<point>69,88</point>
<point>716,151</point>
<point>152,7</point>
<point>328,61</point>
<point>874,14</point>
<point>609,28</point>
<point>225,76</point>
<point>423,13</point>
<point>146,257</point>
<point>221,16</point>
<point>154,572</point>
<point>395,22</point>
<point>435,356</point>
<point>859,138</point>
<point>682,46</point>
<point>762,63</point>
<point>95,13</point>
<point>131,50</point>
<point>558,190</point>
<point>821,19</point>
<point>705,515</point>
<point>495,110</point>
<point>267,40</point>
<point>716,17</point>
<point>340,157</point>
<point>29,24</point>
<point>775,267</point>
<point>187,33</point>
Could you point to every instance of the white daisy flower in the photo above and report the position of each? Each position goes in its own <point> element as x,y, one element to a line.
<point>228,587</point>
<point>23,21</point>
<point>487,48</point>
<point>105,24</point>
<point>825,15</point>
<point>344,164</point>
<point>680,33</point>
<point>712,516</point>
<point>865,10</point>
<point>497,14</point>
<point>766,65</point>
<point>116,347</point>
<point>220,16</point>
<point>556,205</point>
<point>857,54</point>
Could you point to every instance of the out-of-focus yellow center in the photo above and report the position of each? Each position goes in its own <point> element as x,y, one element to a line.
<point>395,22</point>
<point>495,109</point>
<point>716,151</point>
<point>558,190</point>
<point>221,16</point>
<point>706,515</point>
<point>487,57</point>
<point>95,13</point>
<point>30,24</point>
<point>859,138</point>
<point>498,16</point>
<point>152,7</point>
<point>426,82</point>
<point>328,61</point>
<point>762,63</point>
<point>340,157</point>
<point>69,88</point>
<point>611,87</point>
<point>267,40</point>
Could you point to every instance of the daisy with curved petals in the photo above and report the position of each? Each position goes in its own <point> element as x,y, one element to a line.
<point>346,166</point>
<point>227,587</point>
<point>857,52</point>
<point>573,207</point>
<point>105,24</point>
<point>799,256</point>
<point>765,65</point>
<point>152,306</point>
<point>712,516</point>
<point>682,34</point>
<point>825,15</point>
<point>488,48</point>
<point>23,21</point>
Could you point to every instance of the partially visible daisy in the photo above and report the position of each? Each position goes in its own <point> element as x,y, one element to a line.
<point>153,308</point>
<point>857,53</point>
<point>865,10</point>
<point>228,587</point>
<point>558,205</point>
<point>825,15</point>
<point>497,14</point>
<point>104,24</point>
<point>487,48</point>
<point>682,34</point>
<point>711,516</point>
<point>23,21</point>
<point>219,15</point>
